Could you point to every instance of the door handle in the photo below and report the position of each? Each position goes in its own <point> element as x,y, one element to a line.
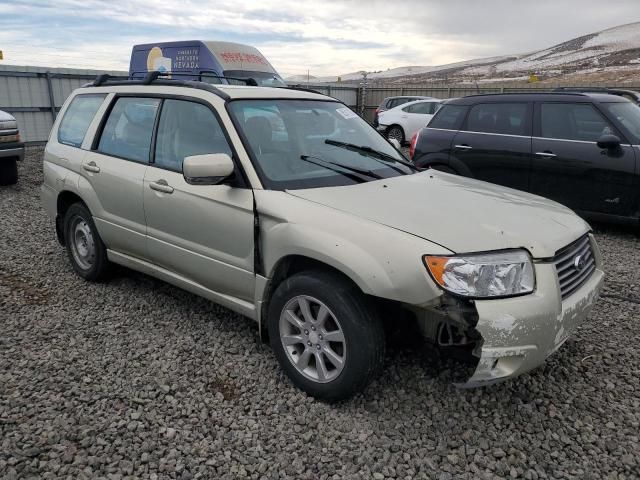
<point>91,167</point>
<point>463,147</point>
<point>161,186</point>
<point>546,154</point>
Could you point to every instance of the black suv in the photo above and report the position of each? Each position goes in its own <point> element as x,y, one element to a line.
<point>580,149</point>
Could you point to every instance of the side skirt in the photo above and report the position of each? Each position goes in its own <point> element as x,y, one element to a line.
<point>236,304</point>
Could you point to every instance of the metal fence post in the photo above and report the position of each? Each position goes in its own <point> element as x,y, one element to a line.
<point>52,102</point>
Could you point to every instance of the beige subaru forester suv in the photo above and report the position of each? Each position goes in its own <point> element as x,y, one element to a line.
<point>287,207</point>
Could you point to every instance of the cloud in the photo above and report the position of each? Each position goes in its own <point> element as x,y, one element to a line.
<point>322,36</point>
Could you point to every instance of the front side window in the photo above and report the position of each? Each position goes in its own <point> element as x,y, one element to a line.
<point>184,129</point>
<point>129,128</point>
<point>502,118</point>
<point>449,117</point>
<point>307,143</point>
<point>628,114</point>
<point>572,121</point>
<point>77,119</point>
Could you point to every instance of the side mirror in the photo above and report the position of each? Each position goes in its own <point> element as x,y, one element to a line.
<point>208,169</point>
<point>395,143</point>
<point>609,142</point>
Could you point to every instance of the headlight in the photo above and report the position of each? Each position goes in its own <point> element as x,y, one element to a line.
<point>498,274</point>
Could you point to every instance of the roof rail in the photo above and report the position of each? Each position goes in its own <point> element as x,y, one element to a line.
<point>154,78</point>
<point>579,94</point>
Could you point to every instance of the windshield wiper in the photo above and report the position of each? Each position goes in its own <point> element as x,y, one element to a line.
<point>350,170</point>
<point>364,148</point>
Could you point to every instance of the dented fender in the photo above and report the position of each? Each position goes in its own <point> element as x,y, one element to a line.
<point>382,261</point>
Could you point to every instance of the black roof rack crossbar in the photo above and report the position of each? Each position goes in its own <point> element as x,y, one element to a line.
<point>251,82</point>
<point>100,79</point>
<point>153,78</point>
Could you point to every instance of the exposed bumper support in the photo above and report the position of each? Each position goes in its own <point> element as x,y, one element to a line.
<point>518,334</point>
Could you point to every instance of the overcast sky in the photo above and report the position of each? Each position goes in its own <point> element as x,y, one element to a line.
<point>323,36</point>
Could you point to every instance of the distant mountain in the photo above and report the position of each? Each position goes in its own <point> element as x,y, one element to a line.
<point>615,51</point>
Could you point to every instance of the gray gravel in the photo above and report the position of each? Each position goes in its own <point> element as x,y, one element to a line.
<point>138,379</point>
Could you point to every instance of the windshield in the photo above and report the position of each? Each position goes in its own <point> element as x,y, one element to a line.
<point>263,79</point>
<point>307,143</point>
<point>628,114</point>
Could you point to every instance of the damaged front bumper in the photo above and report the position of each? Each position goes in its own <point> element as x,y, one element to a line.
<point>519,333</point>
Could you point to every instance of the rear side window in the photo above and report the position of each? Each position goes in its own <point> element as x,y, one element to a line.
<point>77,119</point>
<point>129,128</point>
<point>572,121</point>
<point>503,118</point>
<point>425,108</point>
<point>449,117</point>
<point>185,129</point>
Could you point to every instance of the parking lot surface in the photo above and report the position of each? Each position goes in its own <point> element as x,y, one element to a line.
<point>134,378</point>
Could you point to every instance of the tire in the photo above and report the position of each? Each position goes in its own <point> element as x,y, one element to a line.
<point>396,131</point>
<point>350,320</point>
<point>8,171</point>
<point>85,248</point>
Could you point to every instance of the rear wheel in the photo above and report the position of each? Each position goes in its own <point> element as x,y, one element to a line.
<point>8,171</point>
<point>85,249</point>
<point>397,133</point>
<point>325,334</point>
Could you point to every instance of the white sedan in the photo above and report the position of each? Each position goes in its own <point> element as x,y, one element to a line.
<point>401,122</point>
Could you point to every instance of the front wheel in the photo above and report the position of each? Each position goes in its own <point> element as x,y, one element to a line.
<point>8,171</point>
<point>396,132</point>
<point>325,334</point>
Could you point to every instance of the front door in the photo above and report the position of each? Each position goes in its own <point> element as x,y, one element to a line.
<point>569,167</point>
<point>201,232</point>
<point>115,171</point>
<point>495,144</point>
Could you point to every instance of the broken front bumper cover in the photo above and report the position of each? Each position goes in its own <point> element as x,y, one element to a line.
<point>519,333</point>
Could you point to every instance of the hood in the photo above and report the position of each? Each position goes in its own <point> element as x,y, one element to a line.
<point>461,214</point>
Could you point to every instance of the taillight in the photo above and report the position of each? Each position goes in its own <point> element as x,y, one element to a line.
<point>412,145</point>
<point>377,110</point>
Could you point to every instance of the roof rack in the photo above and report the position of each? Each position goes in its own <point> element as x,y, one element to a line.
<point>156,79</point>
<point>251,82</point>
<point>579,94</point>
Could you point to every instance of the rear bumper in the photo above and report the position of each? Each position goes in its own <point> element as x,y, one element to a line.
<point>15,150</point>
<point>519,333</point>
<point>381,128</point>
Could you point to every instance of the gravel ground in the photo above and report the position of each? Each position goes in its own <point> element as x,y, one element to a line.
<point>137,379</point>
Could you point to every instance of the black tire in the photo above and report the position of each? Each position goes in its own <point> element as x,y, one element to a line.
<point>397,132</point>
<point>99,267</point>
<point>8,171</point>
<point>359,323</point>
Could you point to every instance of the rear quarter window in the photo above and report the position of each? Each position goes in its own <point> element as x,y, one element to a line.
<point>77,118</point>
<point>449,117</point>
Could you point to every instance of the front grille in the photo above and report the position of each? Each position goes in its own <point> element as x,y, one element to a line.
<point>574,265</point>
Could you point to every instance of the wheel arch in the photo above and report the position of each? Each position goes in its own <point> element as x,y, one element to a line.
<point>65,199</point>
<point>290,265</point>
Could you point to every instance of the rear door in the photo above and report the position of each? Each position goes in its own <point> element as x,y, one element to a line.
<point>495,144</point>
<point>201,232</point>
<point>115,170</point>
<point>569,167</point>
<point>417,116</point>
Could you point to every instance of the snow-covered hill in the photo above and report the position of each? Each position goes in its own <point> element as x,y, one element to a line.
<point>616,50</point>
